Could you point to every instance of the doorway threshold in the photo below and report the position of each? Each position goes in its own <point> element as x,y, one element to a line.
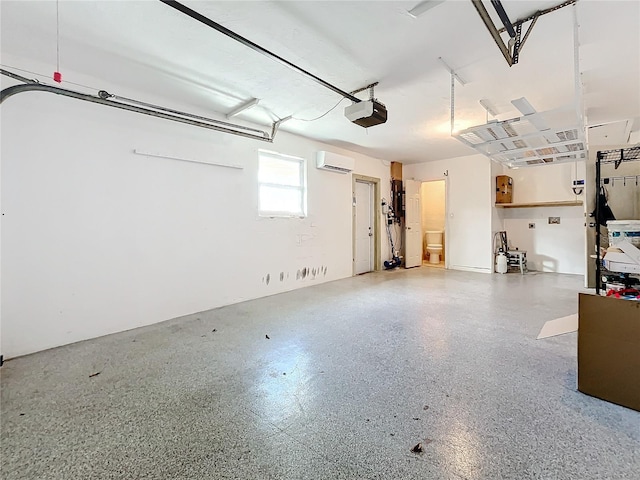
<point>426,263</point>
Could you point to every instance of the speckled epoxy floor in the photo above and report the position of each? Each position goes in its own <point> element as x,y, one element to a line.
<point>354,374</point>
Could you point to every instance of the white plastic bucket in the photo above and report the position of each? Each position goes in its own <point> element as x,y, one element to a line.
<point>621,230</point>
<point>501,263</point>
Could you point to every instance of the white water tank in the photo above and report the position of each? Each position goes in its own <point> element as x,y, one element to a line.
<point>501,263</point>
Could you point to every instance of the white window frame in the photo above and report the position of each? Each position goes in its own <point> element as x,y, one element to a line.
<point>302,212</point>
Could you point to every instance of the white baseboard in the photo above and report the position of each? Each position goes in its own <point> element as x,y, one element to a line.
<point>470,269</point>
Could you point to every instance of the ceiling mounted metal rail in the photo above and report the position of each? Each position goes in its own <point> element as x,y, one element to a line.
<point>497,5</point>
<point>216,26</point>
<point>511,52</point>
<point>105,98</point>
<point>539,13</point>
<point>488,22</point>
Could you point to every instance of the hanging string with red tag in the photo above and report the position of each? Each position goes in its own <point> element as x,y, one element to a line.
<point>57,76</point>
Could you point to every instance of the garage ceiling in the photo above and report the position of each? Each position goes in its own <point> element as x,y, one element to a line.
<point>151,48</point>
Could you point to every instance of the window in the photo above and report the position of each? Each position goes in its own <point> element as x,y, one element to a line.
<point>281,183</point>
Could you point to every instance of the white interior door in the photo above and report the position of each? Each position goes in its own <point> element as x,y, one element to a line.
<point>363,257</point>
<point>412,224</point>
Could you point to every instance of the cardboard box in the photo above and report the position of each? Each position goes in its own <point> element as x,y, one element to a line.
<point>609,349</point>
<point>627,261</point>
<point>504,189</point>
<point>630,250</point>
<point>396,171</point>
<point>619,257</point>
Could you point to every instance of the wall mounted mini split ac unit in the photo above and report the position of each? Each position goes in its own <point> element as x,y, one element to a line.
<point>334,162</point>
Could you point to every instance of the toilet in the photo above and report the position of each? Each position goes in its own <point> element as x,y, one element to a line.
<point>433,240</point>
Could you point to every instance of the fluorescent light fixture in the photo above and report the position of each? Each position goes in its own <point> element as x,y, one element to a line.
<point>538,122</point>
<point>242,107</point>
<point>528,111</point>
<point>423,7</point>
<point>524,106</point>
<point>452,71</point>
<point>486,104</point>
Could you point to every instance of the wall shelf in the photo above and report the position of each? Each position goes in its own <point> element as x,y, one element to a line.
<point>561,203</point>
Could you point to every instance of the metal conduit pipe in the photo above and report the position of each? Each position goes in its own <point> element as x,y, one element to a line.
<point>107,95</point>
<point>102,99</point>
<point>15,76</point>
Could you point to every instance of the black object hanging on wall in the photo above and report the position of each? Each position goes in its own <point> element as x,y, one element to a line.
<point>397,195</point>
<point>603,212</point>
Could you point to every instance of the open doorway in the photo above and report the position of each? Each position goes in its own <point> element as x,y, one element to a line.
<point>366,224</point>
<point>433,196</point>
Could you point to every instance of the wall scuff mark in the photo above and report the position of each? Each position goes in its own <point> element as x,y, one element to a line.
<point>301,274</point>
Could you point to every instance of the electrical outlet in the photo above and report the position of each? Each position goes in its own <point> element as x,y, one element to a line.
<point>554,220</point>
<point>532,225</point>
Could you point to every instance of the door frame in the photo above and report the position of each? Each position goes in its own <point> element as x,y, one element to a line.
<point>445,177</point>
<point>375,183</point>
<point>405,224</point>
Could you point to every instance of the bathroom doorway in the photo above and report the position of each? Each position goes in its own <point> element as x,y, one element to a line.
<point>433,198</point>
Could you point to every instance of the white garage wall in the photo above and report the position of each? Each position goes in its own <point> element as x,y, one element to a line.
<point>469,205</point>
<point>550,248</point>
<point>546,183</point>
<point>97,239</point>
